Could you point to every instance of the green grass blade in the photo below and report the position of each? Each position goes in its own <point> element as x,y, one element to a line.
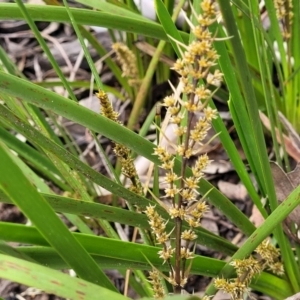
<point>8,64</point>
<point>106,247</point>
<point>152,68</point>
<point>241,105</point>
<point>45,48</point>
<point>267,283</point>
<point>52,281</point>
<point>25,196</point>
<point>106,7</point>
<point>38,96</point>
<point>278,215</point>
<point>215,197</point>
<point>87,17</point>
<point>43,187</point>
<point>8,250</point>
<point>45,254</point>
<point>107,228</point>
<point>236,160</point>
<point>84,47</point>
<point>105,251</point>
<point>276,34</point>
<point>168,25</point>
<point>33,157</point>
<point>256,151</point>
<point>114,214</point>
<point>81,84</point>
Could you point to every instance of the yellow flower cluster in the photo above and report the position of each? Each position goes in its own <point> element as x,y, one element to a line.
<point>200,79</point>
<point>156,284</point>
<point>270,256</point>
<point>106,108</point>
<point>236,289</point>
<point>122,152</point>
<point>128,63</point>
<point>157,224</point>
<point>281,11</point>
<point>199,58</point>
<point>246,269</point>
<point>284,13</point>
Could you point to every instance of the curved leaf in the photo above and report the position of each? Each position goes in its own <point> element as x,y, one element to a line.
<point>204,237</point>
<point>52,281</point>
<point>17,187</point>
<point>26,91</point>
<point>107,251</point>
<point>87,17</point>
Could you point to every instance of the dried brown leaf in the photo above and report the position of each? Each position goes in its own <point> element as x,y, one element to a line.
<point>290,145</point>
<point>285,183</point>
<point>233,191</point>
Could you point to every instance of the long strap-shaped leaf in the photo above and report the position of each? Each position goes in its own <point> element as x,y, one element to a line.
<point>11,251</point>
<point>106,251</point>
<point>114,214</point>
<point>204,237</point>
<point>88,17</point>
<point>52,281</point>
<point>106,247</point>
<point>34,157</point>
<point>24,195</point>
<point>26,91</point>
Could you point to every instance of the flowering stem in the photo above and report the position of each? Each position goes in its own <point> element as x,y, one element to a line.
<point>178,226</point>
<point>181,192</point>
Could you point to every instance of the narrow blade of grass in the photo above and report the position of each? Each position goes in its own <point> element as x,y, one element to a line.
<point>8,250</point>
<point>87,17</point>
<point>132,256</point>
<point>52,281</point>
<point>114,214</point>
<point>215,197</point>
<point>24,90</point>
<point>33,157</point>
<point>23,194</point>
<point>168,25</point>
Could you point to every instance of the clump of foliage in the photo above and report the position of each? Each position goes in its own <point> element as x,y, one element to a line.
<point>225,54</point>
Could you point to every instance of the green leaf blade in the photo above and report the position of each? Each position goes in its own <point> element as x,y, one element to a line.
<point>52,281</point>
<point>17,187</point>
